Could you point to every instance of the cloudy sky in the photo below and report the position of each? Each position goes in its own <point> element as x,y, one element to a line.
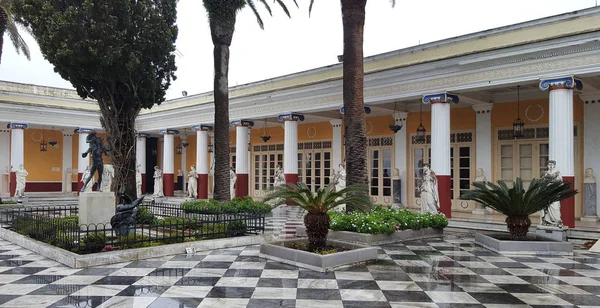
<point>302,42</point>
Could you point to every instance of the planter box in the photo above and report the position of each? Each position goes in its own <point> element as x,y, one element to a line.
<point>376,239</point>
<point>278,252</point>
<point>74,260</point>
<point>535,246</point>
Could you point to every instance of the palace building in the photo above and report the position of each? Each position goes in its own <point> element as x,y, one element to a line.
<point>460,103</point>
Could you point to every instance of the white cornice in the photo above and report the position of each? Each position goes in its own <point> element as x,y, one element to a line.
<point>48,116</point>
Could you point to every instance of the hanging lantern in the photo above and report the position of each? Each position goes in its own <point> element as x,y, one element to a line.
<point>265,135</point>
<point>420,138</point>
<point>179,149</point>
<point>518,125</point>
<point>393,127</point>
<point>43,144</point>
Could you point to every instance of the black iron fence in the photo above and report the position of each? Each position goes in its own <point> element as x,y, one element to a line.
<point>153,225</point>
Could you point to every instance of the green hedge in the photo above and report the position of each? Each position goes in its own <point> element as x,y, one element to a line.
<point>385,221</point>
<point>246,205</point>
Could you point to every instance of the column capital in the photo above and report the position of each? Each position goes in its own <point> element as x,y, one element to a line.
<point>367,110</point>
<point>17,126</point>
<point>246,123</point>
<point>440,98</point>
<point>83,130</point>
<point>569,82</point>
<point>202,128</point>
<point>483,108</point>
<point>143,135</point>
<point>336,122</point>
<point>168,132</point>
<point>291,117</point>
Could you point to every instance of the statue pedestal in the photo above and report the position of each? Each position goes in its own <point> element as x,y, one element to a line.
<point>96,208</point>
<point>551,233</point>
<point>590,206</point>
<point>397,191</point>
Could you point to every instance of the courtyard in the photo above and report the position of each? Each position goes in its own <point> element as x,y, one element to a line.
<point>450,271</point>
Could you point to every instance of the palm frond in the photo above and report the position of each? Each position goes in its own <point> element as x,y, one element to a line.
<point>284,7</point>
<point>264,2</point>
<point>256,14</point>
<point>310,6</point>
<point>13,29</point>
<point>518,201</point>
<point>325,199</point>
<point>393,3</point>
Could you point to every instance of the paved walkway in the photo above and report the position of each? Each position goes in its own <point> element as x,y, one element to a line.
<point>442,272</point>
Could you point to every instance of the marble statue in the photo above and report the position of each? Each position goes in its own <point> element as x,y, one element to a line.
<point>158,182</point>
<point>193,183</point>
<point>87,186</point>
<point>551,216</point>
<point>138,181</point>
<point>96,149</point>
<point>232,179</point>
<point>69,180</point>
<point>107,178</point>
<point>396,174</point>
<point>590,203</point>
<point>212,176</point>
<point>278,178</point>
<point>179,172</point>
<point>338,178</point>
<point>480,176</point>
<point>21,181</point>
<point>430,200</point>
<point>124,218</point>
<point>480,209</point>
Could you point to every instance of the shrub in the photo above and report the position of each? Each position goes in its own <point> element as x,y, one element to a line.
<point>246,205</point>
<point>385,221</point>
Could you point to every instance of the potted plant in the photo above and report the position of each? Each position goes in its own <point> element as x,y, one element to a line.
<point>316,204</point>
<point>517,203</point>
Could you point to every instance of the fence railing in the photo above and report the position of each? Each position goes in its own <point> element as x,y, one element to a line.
<point>154,224</point>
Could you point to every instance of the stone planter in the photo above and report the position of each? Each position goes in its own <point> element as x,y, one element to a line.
<point>500,243</point>
<point>376,239</point>
<point>278,252</point>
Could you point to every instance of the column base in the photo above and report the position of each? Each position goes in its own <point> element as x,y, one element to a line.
<point>13,183</point>
<point>241,186</point>
<point>291,179</point>
<point>589,218</point>
<point>202,186</point>
<point>567,206</point>
<point>79,184</point>
<point>143,184</point>
<point>168,184</point>
<point>444,194</point>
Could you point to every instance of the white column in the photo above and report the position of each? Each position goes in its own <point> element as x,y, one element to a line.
<point>17,152</point>
<point>83,163</point>
<point>4,161</point>
<point>336,143</point>
<point>241,149</point>
<point>591,138</point>
<point>140,152</point>
<point>168,153</point>
<point>400,161</point>
<point>290,146</point>
<point>184,167</point>
<point>561,135</point>
<point>483,139</point>
<point>67,162</point>
<point>440,146</point>
<point>202,149</point>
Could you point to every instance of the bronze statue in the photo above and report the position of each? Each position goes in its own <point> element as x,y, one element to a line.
<point>96,148</point>
<point>124,219</point>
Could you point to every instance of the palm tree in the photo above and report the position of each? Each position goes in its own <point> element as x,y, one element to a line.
<point>353,20</point>
<point>221,17</point>
<point>8,22</point>
<point>317,204</point>
<point>518,203</point>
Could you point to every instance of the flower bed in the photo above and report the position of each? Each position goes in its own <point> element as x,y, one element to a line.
<point>246,205</point>
<point>385,221</point>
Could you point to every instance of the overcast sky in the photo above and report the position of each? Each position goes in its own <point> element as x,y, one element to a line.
<point>301,43</point>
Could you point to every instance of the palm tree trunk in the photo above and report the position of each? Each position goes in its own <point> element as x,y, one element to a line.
<point>222,27</point>
<point>317,228</point>
<point>3,25</point>
<point>353,18</point>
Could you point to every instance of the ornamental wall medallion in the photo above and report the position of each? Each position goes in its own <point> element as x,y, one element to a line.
<point>311,132</point>
<point>534,112</point>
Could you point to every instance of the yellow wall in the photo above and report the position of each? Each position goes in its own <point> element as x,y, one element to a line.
<point>39,164</point>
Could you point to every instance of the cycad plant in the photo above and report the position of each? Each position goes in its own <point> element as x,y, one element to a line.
<point>517,203</point>
<point>316,204</point>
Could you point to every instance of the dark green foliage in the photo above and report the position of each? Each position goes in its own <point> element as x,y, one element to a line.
<point>92,243</point>
<point>246,205</point>
<point>518,201</point>
<point>118,52</point>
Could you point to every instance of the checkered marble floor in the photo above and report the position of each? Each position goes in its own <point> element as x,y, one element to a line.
<point>442,272</point>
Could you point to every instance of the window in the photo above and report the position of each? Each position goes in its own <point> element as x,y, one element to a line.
<point>380,155</point>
